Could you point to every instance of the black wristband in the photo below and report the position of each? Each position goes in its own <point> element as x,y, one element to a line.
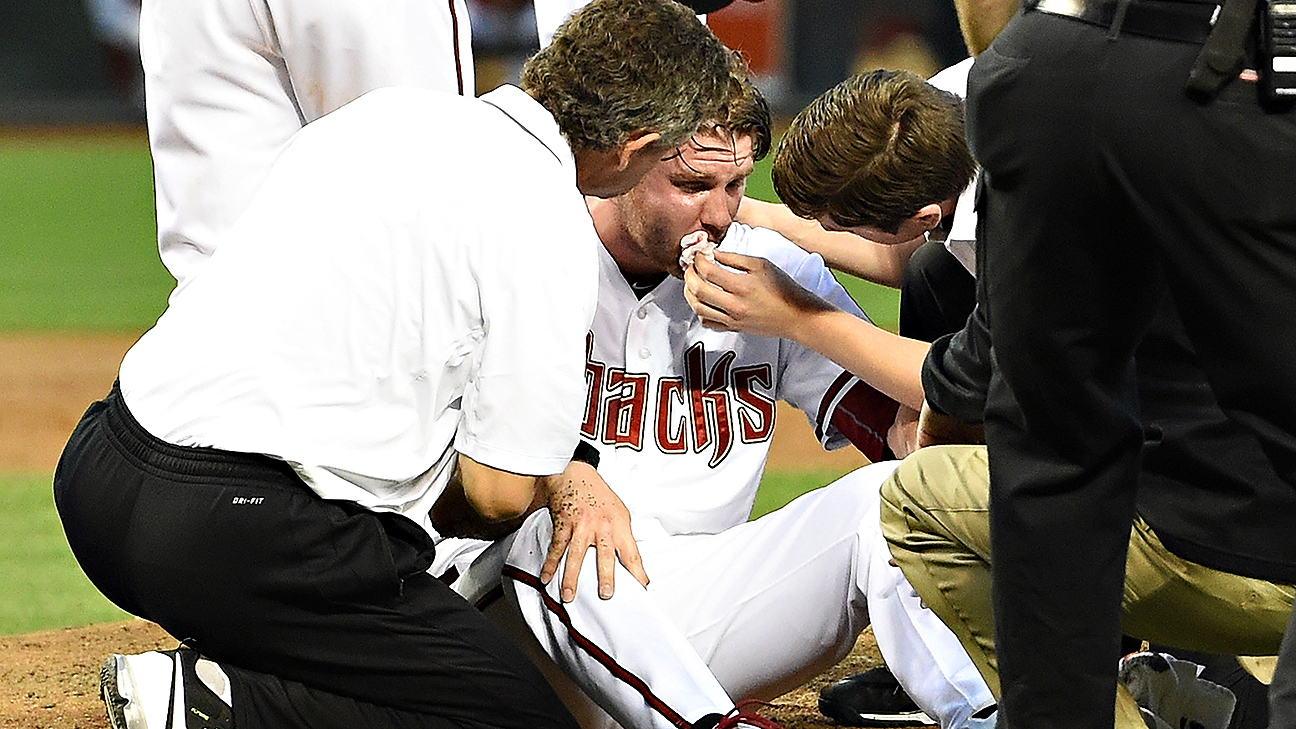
<point>586,453</point>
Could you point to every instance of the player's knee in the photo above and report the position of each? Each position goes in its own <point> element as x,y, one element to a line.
<point>857,491</point>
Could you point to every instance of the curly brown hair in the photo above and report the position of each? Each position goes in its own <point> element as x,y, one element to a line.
<point>873,150</point>
<point>617,67</point>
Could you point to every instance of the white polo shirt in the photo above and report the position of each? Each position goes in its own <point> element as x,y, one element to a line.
<point>415,276</point>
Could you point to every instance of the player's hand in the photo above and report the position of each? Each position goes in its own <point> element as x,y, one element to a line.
<point>587,513</point>
<point>756,298</point>
<point>902,436</point>
<point>937,429</point>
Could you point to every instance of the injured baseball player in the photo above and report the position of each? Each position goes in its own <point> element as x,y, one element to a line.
<point>681,417</point>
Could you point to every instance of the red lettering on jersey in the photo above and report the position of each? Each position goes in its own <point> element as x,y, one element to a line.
<point>704,402</point>
<point>757,418</point>
<point>624,409</point>
<point>671,429</point>
<point>709,399</point>
<point>593,390</point>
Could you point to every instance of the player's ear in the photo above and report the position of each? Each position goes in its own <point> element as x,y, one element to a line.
<point>928,216</point>
<point>637,143</point>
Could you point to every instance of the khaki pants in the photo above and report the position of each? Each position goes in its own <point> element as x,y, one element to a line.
<point>935,516</point>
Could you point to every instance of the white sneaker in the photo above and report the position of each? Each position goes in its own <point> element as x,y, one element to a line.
<point>165,690</point>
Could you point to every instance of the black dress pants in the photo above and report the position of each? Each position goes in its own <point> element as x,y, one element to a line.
<point>1106,189</point>
<point>321,612</point>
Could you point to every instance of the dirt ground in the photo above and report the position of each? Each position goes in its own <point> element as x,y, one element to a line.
<point>50,680</point>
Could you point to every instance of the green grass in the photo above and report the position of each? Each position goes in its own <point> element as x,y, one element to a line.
<point>42,585</point>
<point>780,487</point>
<point>78,249</point>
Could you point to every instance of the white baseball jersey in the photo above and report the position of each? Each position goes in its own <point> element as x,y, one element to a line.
<point>229,81</point>
<point>736,609</point>
<point>416,274</point>
<point>682,415</point>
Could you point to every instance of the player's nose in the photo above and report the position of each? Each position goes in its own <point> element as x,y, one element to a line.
<point>717,213</point>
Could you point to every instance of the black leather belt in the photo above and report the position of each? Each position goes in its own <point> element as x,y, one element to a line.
<point>1179,21</point>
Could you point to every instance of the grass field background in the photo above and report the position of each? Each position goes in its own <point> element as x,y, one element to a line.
<point>79,239</point>
<point>78,253</point>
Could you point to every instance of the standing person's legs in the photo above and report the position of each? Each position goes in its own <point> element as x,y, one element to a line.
<point>1071,287</point>
<point>321,613</point>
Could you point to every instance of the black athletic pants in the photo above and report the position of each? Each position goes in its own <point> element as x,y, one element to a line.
<point>321,612</point>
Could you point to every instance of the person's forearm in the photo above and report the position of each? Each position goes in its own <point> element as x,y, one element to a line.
<point>956,374</point>
<point>981,21</point>
<point>496,495</point>
<point>888,362</point>
<point>844,252</point>
<point>453,515</point>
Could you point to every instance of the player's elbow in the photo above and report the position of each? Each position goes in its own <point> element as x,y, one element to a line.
<point>497,506</point>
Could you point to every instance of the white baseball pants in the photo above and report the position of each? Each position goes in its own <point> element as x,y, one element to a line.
<point>749,613</point>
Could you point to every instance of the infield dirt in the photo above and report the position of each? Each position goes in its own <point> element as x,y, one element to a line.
<point>50,679</point>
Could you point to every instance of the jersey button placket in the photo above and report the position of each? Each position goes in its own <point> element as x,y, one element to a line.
<point>638,332</point>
